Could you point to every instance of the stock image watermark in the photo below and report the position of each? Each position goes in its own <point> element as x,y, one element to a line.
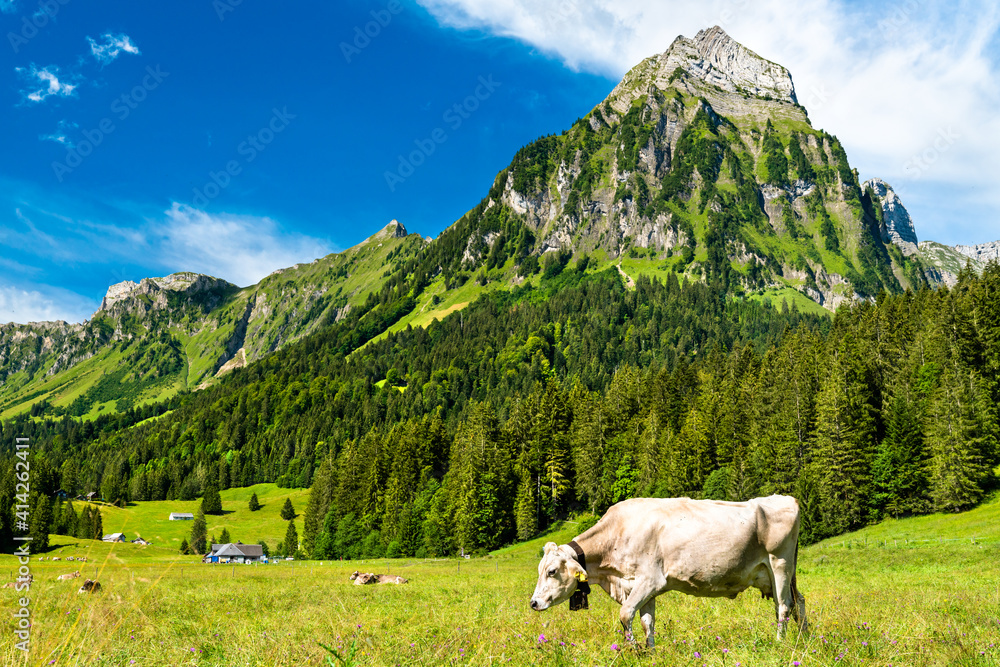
<point>918,164</point>
<point>223,7</point>
<point>22,612</point>
<point>454,117</point>
<point>248,150</point>
<point>47,10</point>
<point>363,35</point>
<point>898,18</point>
<point>121,108</point>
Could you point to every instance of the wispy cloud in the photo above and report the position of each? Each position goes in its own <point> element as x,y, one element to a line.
<point>62,134</point>
<point>43,304</point>
<point>886,78</point>
<point>112,47</point>
<point>44,82</point>
<point>8,6</point>
<point>239,248</point>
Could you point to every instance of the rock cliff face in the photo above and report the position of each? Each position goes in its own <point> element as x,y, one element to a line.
<point>896,225</point>
<point>192,286</point>
<point>983,253</point>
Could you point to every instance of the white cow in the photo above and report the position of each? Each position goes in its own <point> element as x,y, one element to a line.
<point>644,547</point>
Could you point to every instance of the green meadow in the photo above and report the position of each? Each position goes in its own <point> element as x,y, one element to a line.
<point>922,591</point>
<point>150,520</point>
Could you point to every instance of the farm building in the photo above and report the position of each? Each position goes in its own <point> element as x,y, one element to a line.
<point>235,553</point>
<point>114,537</point>
<point>181,516</point>
<point>141,541</point>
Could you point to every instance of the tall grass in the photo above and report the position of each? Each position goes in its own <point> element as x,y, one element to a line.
<point>882,604</point>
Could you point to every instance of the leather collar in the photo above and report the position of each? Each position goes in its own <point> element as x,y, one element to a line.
<point>579,598</point>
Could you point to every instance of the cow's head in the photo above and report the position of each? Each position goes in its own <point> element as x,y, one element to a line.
<point>558,575</point>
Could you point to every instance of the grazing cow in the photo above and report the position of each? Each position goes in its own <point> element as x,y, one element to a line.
<point>364,578</point>
<point>90,586</point>
<point>67,577</point>
<point>644,547</point>
<point>56,558</point>
<point>82,559</point>
<point>21,584</point>
<point>69,558</point>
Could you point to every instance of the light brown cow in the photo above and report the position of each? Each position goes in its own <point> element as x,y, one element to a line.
<point>90,586</point>
<point>67,577</point>
<point>21,584</point>
<point>364,578</point>
<point>644,547</point>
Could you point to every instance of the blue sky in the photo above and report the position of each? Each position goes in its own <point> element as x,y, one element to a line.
<point>235,138</point>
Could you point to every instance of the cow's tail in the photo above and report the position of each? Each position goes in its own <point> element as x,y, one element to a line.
<point>798,600</point>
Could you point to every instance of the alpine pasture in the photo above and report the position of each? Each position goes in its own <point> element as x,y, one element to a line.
<point>920,591</point>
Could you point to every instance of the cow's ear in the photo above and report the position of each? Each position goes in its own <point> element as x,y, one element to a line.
<point>550,547</point>
<point>578,572</point>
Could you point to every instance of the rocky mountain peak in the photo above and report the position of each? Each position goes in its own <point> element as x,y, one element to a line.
<point>983,252</point>
<point>719,60</point>
<point>734,79</point>
<point>896,225</point>
<point>186,282</point>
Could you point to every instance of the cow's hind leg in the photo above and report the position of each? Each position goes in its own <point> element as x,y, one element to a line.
<point>647,614</point>
<point>783,601</point>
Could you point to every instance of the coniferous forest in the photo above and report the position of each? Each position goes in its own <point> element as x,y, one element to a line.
<point>535,403</point>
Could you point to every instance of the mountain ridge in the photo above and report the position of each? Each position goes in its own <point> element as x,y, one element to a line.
<point>700,164</point>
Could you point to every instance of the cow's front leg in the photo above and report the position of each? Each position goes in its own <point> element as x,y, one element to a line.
<point>648,616</point>
<point>637,599</point>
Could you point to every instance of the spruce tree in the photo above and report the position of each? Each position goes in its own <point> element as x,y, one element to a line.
<point>287,511</point>
<point>962,431</point>
<point>254,503</point>
<point>98,523</point>
<point>224,537</point>
<point>40,523</point>
<point>291,539</point>
<point>211,503</point>
<point>185,547</point>
<point>85,524</point>
<point>199,533</point>
<point>69,520</point>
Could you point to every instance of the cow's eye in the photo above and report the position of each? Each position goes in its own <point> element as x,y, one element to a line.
<point>552,573</point>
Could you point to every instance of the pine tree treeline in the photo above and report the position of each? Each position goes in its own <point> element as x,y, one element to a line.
<point>539,402</point>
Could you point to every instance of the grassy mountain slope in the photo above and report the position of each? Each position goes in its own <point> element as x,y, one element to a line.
<point>149,341</point>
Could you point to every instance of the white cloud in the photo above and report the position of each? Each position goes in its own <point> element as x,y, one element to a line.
<point>61,134</point>
<point>887,79</point>
<point>113,46</point>
<point>8,6</point>
<point>43,305</point>
<point>239,248</point>
<point>49,78</point>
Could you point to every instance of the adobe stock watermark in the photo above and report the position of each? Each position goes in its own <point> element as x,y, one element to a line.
<point>22,491</point>
<point>248,150</point>
<point>918,164</point>
<point>223,7</point>
<point>47,10</point>
<point>454,117</point>
<point>121,108</point>
<point>363,35</point>
<point>898,18</point>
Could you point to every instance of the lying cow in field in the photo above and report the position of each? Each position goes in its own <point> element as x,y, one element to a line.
<point>364,578</point>
<point>21,583</point>
<point>644,547</point>
<point>90,586</point>
<point>67,577</point>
